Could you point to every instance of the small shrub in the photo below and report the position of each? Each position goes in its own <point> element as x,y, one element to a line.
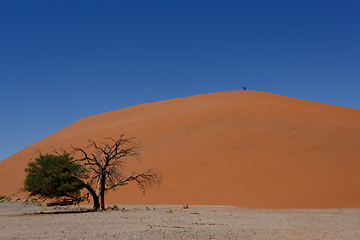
<point>38,204</point>
<point>170,211</point>
<point>2,197</point>
<point>186,206</point>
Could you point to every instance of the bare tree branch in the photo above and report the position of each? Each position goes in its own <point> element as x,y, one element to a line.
<point>144,180</point>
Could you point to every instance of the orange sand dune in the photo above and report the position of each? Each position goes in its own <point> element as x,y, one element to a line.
<point>249,149</point>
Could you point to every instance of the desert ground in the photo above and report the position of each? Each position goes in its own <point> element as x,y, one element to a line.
<point>19,221</point>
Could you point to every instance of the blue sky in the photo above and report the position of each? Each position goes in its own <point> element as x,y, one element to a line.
<point>64,60</point>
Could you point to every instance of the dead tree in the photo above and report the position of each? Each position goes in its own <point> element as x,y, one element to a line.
<point>105,162</point>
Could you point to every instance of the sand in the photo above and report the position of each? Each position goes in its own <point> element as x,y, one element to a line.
<point>174,222</point>
<point>249,149</point>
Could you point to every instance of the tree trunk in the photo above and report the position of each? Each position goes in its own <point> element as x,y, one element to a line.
<point>98,187</point>
<point>95,197</point>
<point>102,193</point>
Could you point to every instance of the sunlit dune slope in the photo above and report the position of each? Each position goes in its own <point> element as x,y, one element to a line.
<point>249,149</point>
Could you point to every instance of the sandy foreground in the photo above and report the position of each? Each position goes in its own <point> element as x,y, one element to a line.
<point>175,222</point>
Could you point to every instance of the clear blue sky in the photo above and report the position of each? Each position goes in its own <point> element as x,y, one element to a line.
<point>64,60</point>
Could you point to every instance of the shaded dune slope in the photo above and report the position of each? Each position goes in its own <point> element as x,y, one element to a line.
<point>249,149</point>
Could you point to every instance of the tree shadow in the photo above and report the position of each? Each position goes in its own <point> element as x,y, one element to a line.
<point>49,213</point>
<point>64,212</point>
<point>91,210</point>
